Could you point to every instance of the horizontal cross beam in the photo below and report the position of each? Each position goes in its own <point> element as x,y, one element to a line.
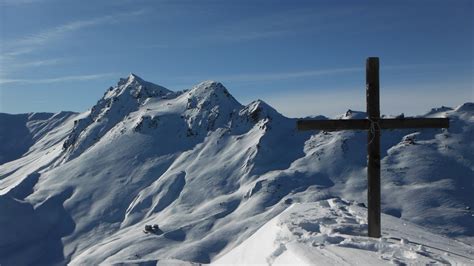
<point>364,124</point>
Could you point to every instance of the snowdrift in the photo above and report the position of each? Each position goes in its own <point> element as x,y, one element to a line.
<point>333,232</point>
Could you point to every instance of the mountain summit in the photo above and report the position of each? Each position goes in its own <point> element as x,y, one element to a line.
<point>81,188</point>
<point>118,102</point>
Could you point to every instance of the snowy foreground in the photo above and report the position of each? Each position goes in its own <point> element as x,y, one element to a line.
<point>333,232</point>
<point>226,183</point>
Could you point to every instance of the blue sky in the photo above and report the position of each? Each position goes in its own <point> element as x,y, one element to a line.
<point>302,57</point>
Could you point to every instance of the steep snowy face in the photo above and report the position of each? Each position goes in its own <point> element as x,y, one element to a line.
<point>258,110</point>
<point>137,88</point>
<point>208,106</point>
<point>117,103</point>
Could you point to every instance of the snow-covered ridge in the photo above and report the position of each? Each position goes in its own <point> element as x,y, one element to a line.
<point>208,106</point>
<point>210,171</point>
<point>118,102</point>
<point>333,232</point>
<point>137,88</point>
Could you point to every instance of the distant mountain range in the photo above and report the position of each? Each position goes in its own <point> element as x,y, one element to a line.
<point>80,188</point>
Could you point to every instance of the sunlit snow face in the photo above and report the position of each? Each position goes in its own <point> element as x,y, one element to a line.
<point>212,173</point>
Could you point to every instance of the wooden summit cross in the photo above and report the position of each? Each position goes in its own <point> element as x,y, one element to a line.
<point>373,124</point>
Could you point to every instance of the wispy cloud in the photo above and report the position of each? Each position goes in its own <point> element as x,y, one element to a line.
<point>279,24</point>
<point>261,77</point>
<point>31,42</point>
<point>287,75</point>
<point>36,63</point>
<point>7,67</point>
<point>14,59</point>
<point>298,74</point>
<point>309,73</point>
<point>17,2</point>
<point>57,79</point>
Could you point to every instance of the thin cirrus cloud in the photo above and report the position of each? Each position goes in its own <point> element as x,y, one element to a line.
<point>37,63</point>
<point>16,49</point>
<point>17,2</point>
<point>31,42</point>
<point>57,79</point>
<point>279,24</point>
<point>262,77</point>
<point>287,75</point>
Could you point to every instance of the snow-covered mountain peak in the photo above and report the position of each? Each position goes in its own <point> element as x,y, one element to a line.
<point>208,105</point>
<point>209,85</point>
<point>351,114</point>
<point>134,76</point>
<point>118,102</point>
<point>136,87</point>
<point>466,107</point>
<point>258,110</point>
<point>213,93</point>
<point>260,104</point>
<point>206,87</point>
<point>129,79</point>
<point>210,95</point>
<point>438,110</point>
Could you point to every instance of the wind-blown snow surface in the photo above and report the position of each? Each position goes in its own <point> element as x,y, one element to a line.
<point>331,232</point>
<point>79,188</point>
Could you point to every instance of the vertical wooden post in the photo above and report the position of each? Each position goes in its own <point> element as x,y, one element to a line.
<point>373,146</point>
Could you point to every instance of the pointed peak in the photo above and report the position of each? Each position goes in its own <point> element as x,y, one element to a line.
<point>211,89</point>
<point>129,79</point>
<point>438,110</point>
<point>137,87</point>
<point>259,109</point>
<point>352,114</point>
<point>260,102</point>
<point>133,76</point>
<point>210,85</point>
<point>466,107</point>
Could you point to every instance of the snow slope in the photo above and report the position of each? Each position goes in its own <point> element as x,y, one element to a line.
<point>332,232</point>
<point>80,188</point>
<point>19,132</point>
